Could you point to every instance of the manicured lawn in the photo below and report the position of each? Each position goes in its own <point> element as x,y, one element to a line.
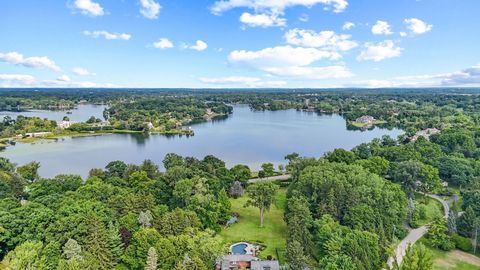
<point>454,260</point>
<point>434,209</point>
<point>247,229</point>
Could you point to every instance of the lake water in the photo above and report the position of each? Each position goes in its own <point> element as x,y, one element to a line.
<point>81,114</point>
<point>246,137</point>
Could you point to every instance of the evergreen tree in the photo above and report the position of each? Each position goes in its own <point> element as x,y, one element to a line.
<point>295,256</point>
<point>225,210</point>
<point>98,255</point>
<point>152,259</point>
<point>466,222</point>
<point>114,242</point>
<point>72,250</point>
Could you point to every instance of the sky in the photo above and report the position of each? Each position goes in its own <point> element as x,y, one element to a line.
<point>239,43</point>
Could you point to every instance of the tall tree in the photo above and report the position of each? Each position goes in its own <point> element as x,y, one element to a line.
<point>29,171</point>
<point>262,195</point>
<point>295,255</point>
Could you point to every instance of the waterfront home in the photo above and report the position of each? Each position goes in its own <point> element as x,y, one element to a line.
<point>64,124</point>
<point>150,125</point>
<point>426,133</point>
<point>366,119</point>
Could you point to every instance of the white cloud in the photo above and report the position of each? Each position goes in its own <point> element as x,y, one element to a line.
<point>281,56</point>
<point>199,46</point>
<point>324,39</point>
<point>150,9</point>
<point>262,20</point>
<point>312,73</point>
<point>403,34</point>
<point>82,71</point>
<point>292,62</point>
<point>417,26</point>
<point>16,58</point>
<point>382,28</point>
<point>107,35</point>
<point>64,78</point>
<point>241,80</point>
<point>88,7</point>
<point>380,51</point>
<point>348,25</point>
<point>163,43</point>
<point>275,5</point>
<point>17,78</point>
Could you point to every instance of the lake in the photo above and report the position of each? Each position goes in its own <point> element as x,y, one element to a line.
<point>246,137</point>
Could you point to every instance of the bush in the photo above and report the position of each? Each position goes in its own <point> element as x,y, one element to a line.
<point>462,243</point>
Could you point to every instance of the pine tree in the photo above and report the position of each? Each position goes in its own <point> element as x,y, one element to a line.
<point>225,206</point>
<point>114,242</point>
<point>411,208</point>
<point>98,254</point>
<point>466,222</point>
<point>152,259</point>
<point>145,219</point>
<point>295,255</point>
<point>72,250</point>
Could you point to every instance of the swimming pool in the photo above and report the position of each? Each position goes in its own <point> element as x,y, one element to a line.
<point>239,249</point>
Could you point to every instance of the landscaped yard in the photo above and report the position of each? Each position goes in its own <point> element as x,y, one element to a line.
<point>247,228</point>
<point>454,260</point>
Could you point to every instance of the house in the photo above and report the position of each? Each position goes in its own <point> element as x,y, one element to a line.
<point>264,265</point>
<point>150,125</point>
<point>245,261</point>
<point>64,124</point>
<point>366,119</point>
<point>426,133</point>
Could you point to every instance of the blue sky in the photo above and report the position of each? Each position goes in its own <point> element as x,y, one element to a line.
<point>239,43</point>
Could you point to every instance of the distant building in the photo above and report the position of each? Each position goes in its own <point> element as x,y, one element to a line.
<point>64,124</point>
<point>150,125</point>
<point>366,119</point>
<point>426,133</point>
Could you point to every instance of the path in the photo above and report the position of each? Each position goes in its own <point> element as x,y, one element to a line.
<point>414,235</point>
<point>282,177</point>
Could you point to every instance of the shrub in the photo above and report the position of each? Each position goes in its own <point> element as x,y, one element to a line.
<point>462,243</point>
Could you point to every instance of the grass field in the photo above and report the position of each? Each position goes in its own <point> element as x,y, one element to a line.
<point>247,229</point>
<point>454,260</point>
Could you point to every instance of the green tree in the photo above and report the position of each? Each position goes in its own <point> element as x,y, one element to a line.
<point>25,256</point>
<point>29,171</point>
<point>267,170</point>
<point>261,195</point>
<point>417,258</point>
<point>295,255</point>
<point>341,156</point>
<point>241,173</point>
<point>98,255</point>
<point>466,222</point>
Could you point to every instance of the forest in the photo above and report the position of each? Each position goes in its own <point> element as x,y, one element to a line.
<point>346,209</point>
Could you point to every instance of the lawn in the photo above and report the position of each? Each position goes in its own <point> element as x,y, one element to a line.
<point>454,260</point>
<point>247,229</point>
<point>433,209</point>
